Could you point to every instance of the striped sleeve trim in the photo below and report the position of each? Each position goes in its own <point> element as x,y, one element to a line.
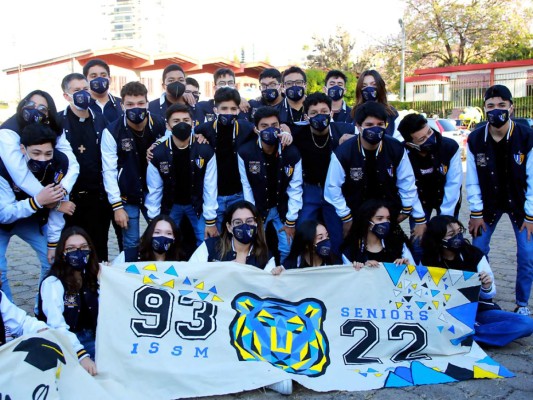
<point>406,210</point>
<point>52,245</point>
<point>347,218</point>
<point>33,204</point>
<point>116,206</point>
<point>476,214</point>
<point>420,221</point>
<point>290,224</point>
<point>82,354</point>
<point>210,222</point>
<point>529,218</point>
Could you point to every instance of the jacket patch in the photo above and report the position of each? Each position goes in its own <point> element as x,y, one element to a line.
<point>209,117</point>
<point>390,171</point>
<point>164,167</point>
<point>426,171</point>
<point>127,144</point>
<point>356,174</point>
<point>519,158</point>
<point>254,167</point>
<point>289,170</point>
<point>200,161</point>
<point>481,160</point>
<point>70,300</point>
<point>443,169</point>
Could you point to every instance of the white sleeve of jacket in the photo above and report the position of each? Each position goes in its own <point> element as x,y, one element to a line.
<point>295,193</point>
<point>52,293</point>
<point>396,134</point>
<point>528,206</point>
<point>155,191</point>
<point>16,164</point>
<point>11,209</point>
<point>452,187</point>
<point>209,208</point>
<point>333,188</point>
<point>109,169</point>
<point>246,188</point>
<point>405,181</point>
<point>200,255</point>
<point>406,253</point>
<point>473,190</point>
<point>16,320</point>
<point>69,180</point>
<point>56,223</point>
<point>484,265</point>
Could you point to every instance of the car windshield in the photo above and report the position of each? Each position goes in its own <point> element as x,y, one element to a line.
<point>447,125</point>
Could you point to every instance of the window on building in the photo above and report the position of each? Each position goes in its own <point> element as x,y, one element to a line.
<point>420,89</point>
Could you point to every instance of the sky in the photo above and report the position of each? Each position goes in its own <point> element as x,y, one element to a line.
<point>273,30</point>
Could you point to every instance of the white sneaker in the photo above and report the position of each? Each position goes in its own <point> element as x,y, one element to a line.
<point>522,310</point>
<point>283,387</point>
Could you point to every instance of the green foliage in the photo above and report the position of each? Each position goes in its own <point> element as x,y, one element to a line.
<point>316,80</point>
<point>332,53</point>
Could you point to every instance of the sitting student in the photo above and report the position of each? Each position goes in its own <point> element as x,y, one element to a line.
<point>68,296</point>
<point>445,247</point>
<point>242,239</point>
<point>376,237</point>
<point>311,247</point>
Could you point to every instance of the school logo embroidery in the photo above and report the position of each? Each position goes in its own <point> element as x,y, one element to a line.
<point>164,167</point>
<point>127,144</point>
<point>80,98</point>
<point>289,170</point>
<point>70,300</point>
<point>443,169</point>
<point>200,162</point>
<point>481,160</point>
<point>209,117</point>
<point>519,158</point>
<point>356,174</point>
<point>58,176</point>
<point>426,171</point>
<point>254,167</point>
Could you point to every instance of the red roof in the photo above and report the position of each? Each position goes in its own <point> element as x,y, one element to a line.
<point>474,67</point>
<point>424,78</point>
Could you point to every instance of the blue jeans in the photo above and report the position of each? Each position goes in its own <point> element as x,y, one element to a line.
<point>223,204</point>
<point>87,338</point>
<point>28,230</point>
<point>316,208</point>
<point>498,327</point>
<point>524,258</point>
<point>198,224</point>
<point>131,234</point>
<point>283,246</point>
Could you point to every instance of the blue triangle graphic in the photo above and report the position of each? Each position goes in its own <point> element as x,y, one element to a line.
<point>423,375</point>
<point>421,270</point>
<point>434,292</point>
<point>363,373</point>
<point>185,292</point>
<point>171,271</point>
<point>452,329</point>
<point>404,373</point>
<point>466,313</point>
<point>195,280</point>
<point>187,281</point>
<point>444,279</point>
<point>420,304</point>
<point>440,328</point>
<point>394,380</point>
<point>487,360</point>
<point>371,370</point>
<point>132,269</point>
<point>459,340</point>
<point>505,372</point>
<point>467,275</point>
<point>395,271</point>
<point>445,286</point>
<point>409,306</point>
<point>153,277</point>
<point>202,295</point>
<point>213,290</point>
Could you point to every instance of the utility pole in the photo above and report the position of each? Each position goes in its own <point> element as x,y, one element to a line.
<point>402,67</point>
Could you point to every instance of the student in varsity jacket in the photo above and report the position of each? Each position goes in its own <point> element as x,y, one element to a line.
<point>37,107</point>
<point>316,141</point>
<point>436,162</point>
<point>98,75</point>
<point>499,180</point>
<point>83,129</point>
<point>291,110</point>
<point>124,146</point>
<point>271,177</point>
<point>270,85</point>
<point>182,177</point>
<point>372,165</point>
<point>30,217</point>
<point>335,88</point>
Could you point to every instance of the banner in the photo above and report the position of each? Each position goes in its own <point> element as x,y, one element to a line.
<point>173,330</point>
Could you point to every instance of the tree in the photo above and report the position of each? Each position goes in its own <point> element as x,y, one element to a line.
<point>332,53</point>
<point>315,83</point>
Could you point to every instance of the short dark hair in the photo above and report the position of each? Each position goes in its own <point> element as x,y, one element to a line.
<point>410,124</point>
<point>335,73</point>
<point>94,62</point>
<point>315,98</point>
<point>370,109</point>
<point>170,68</point>
<point>71,77</point>
<point>270,73</point>
<point>292,70</point>
<point>265,112</point>
<point>192,81</point>
<point>34,134</point>
<point>227,94</point>
<point>498,91</point>
<point>221,72</point>
<point>134,88</point>
<point>174,108</point>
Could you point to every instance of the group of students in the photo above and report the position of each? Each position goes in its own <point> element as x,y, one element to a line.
<point>213,177</point>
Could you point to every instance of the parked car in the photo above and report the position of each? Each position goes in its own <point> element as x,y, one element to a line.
<point>523,121</point>
<point>447,128</point>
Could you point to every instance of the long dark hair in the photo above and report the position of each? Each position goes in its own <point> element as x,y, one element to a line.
<point>65,273</point>
<point>174,253</point>
<point>304,243</point>
<point>381,91</point>
<point>51,121</point>
<point>260,249</point>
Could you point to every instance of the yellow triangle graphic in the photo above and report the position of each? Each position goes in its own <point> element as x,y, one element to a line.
<point>480,373</point>
<point>200,286</point>
<point>377,374</point>
<point>147,279</point>
<point>436,304</point>
<point>399,285</point>
<point>150,267</point>
<point>411,269</point>
<point>436,274</point>
<point>169,284</point>
<point>398,305</point>
<point>447,296</point>
<point>414,285</point>
<point>216,298</point>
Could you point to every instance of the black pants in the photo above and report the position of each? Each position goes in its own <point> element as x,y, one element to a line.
<point>93,214</point>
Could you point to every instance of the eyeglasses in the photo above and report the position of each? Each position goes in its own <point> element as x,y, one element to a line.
<point>197,93</point>
<point>71,249</point>
<point>224,83</point>
<point>239,222</point>
<point>299,82</point>
<point>42,108</point>
<point>272,85</point>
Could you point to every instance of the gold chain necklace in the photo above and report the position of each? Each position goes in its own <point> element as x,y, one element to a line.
<point>325,143</point>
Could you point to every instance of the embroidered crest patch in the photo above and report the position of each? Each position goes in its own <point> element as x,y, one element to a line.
<point>356,174</point>
<point>481,160</point>
<point>164,167</point>
<point>127,144</point>
<point>199,162</point>
<point>254,167</point>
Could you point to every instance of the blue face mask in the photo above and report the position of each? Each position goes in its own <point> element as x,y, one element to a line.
<point>270,136</point>
<point>374,134</point>
<point>269,95</point>
<point>430,144</point>
<point>136,115</point>
<point>369,94</point>
<point>454,243</point>
<point>37,167</point>
<point>381,230</point>
<point>32,115</point>
<point>81,99</point>
<point>335,93</point>
<point>320,121</point>
<point>99,85</point>
<point>161,244</point>
<point>226,119</point>
<point>245,233</point>
<point>295,93</point>
<point>78,259</point>
<point>323,248</point>
<point>497,117</point>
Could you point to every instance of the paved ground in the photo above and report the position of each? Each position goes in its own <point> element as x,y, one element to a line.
<point>517,357</point>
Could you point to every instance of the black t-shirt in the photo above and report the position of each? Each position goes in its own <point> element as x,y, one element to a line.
<point>182,173</point>
<point>316,154</point>
<point>372,190</point>
<point>501,171</point>
<point>229,181</point>
<point>143,140</point>
<point>271,164</point>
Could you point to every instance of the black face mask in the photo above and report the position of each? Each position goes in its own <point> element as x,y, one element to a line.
<point>176,89</point>
<point>182,131</point>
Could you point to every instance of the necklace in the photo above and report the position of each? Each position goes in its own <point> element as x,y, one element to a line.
<point>314,141</point>
<point>140,135</point>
